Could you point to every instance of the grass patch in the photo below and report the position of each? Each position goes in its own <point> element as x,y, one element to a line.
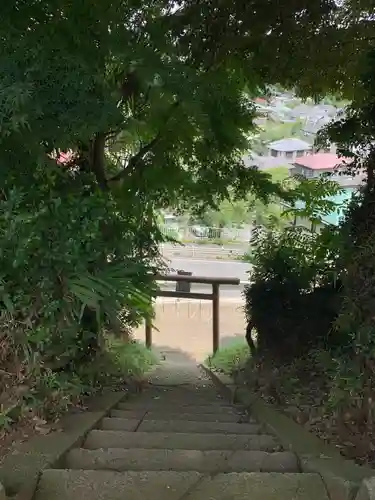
<point>231,358</point>
<point>131,359</point>
<point>120,362</point>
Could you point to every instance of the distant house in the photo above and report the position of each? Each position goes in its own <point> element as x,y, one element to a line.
<point>320,164</point>
<point>288,149</point>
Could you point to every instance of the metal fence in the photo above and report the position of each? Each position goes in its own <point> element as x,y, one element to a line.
<point>203,251</point>
<point>203,234</point>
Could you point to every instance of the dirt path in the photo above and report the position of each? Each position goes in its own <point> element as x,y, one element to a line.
<point>186,327</point>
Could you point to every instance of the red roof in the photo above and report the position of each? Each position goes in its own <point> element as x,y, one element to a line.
<point>321,161</point>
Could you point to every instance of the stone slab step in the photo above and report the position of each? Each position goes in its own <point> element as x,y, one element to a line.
<point>260,486</point>
<point>181,396</point>
<point>177,400</point>
<point>213,461</point>
<point>205,389</point>
<point>111,423</point>
<point>185,441</point>
<point>198,417</point>
<point>121,424</point>
<point>176,372</point>
<point>57,484</point>
<point>199,427</point>
<point>156,405</point>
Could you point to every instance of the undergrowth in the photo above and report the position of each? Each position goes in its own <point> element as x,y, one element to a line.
<point>230,359</point>
<point>321,393</point>
<point>44,394</point>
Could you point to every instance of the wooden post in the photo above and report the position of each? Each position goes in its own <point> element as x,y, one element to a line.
<point>148,333</point>
<point>215,317</point>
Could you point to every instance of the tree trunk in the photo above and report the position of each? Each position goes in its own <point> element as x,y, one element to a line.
<point>89,336</point>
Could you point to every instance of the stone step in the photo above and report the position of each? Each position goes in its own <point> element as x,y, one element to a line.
<point>156,405</point>
<point>206,389</point>
<point>111,423</point>
<point>185,441</point>
<point>58,484</point>
<point>209,462</point>
<point>177,373</point>
<point>163,415</point>
<point>120,424</point>
<point>177,400</point>
<point>178,394</point>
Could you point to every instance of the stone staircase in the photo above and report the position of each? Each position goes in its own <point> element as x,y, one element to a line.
<point>179,439</point>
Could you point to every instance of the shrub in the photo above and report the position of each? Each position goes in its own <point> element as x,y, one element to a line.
<point>294,297</point>
<point>230,359</point>
<point>289,321</point>
<point>69,266</point>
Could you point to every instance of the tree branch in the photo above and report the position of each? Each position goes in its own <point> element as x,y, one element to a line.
<point>97,160</point>
<point>138,157</point>
<point>134,160</point>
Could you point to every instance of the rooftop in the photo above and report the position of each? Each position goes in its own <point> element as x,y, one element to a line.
<point>320,161</point>
<point>291,144</point>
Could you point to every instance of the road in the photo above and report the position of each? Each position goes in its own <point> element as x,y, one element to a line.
<point>213,268</point>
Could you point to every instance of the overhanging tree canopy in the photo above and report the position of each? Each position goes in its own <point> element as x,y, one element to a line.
<point>161,84</point>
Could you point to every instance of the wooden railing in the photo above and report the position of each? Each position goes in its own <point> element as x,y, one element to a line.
<point>214,296</point>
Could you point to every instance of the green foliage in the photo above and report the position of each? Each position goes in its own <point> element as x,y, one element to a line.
<point>272,214</point>
<point>286,256</point>
<point>169,106</point>
<point>57,268</point>
<point>299,320</point>
<point>355,135</point>
<point>278,174</point>
<point>230,359</point>
<point>292,300</point>
<point>129,358</point>
<point>311,199</point>
<point>142,95</point>
<point>229,214</point>
<point>250,209</point>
